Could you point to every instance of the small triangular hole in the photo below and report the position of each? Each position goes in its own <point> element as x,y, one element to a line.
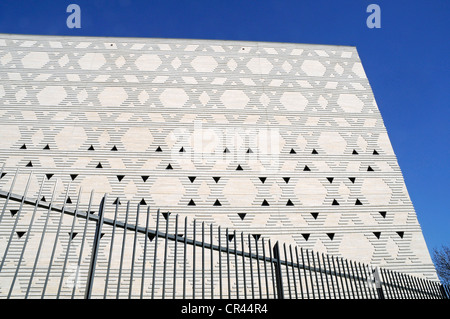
<point>400,233</point>
<point>23,147</point>
<point>306,168</point>
<point>306,236</point>
<point>192,178</point>
<point>242,215</point>
<point>369,169</point>
<point>230,237</point>
<point>43,199</point>
<point>46,147</point>
<point>262,179</point>
<point>256,236</point>
<point>13,212</point>
<point>314,151</point>
<point>286,179</point>
<point>217,203</point>
<point>216,179</point>
<point>143,202</point>
<point>158,149</point>
<point>91,148</point>
<point>68,200</point>
<point>151,236</point>
<point>114,148</point>
<point>73,176</point>
<point>289,203</point>
<point>358,202</point>
<point>383,214</point>
<point>330,179</point>
<point>182,150</point>
<point>315,215</point>
<point>239,168</point>
<point>355,152</point>
<point>116,201</point>
<point>29,164</point>
<point>144,178</point>
<point>375,152</point>
<point>120,177</point>
<point>99,165</point>
<point>335,202</point>
<point>20,233</point>
<point>292,151</point>
<point>249,151</point>
<point>72,235</point>
<point>191,203</point>
<point>377,234</point>
<point>226,150</point>
<point>330,235</point>
<point>265,203</point>
<point>169,167</point>
<point>166,215</point>
<point>352,179</point>
<point>49,176</point>
<point>3,174</point>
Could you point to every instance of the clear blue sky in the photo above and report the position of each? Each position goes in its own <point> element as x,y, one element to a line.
<point>407,62</point>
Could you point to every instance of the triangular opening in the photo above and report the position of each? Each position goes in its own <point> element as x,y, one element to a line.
<point>29,164</point>
<point>99,165</point>
<point>181,150</point>
<point>256,236</point>
<point>143,202</point>
<point>116,201</point>
<point>330,235</point>
<point>166,215</point>
<point>72,235</point>
<point>377,234</point>
<point>13,212</point>
<point>151,236</point>
<point>91,148</point>
<point>315,215</point>
<point>262,179</point>
<point>355,152</point>
<point>330,179</point>
<point>169,167</point>
<point>358,202</point>
<point>23,147</point>
<point>335,202</point>
<point>306,236</point>
<point>120,177</point>
<point>286,179</point>
<point>400,233</point>
<point>292,151</point>
<point>191,203</point>
<point>68,200</point>
<point>73,176</point>
<point>43,199</point>
<point>114,148</point>
<point>239,168</point>
<point>46,147</point>
<point>352,179</point>
<point>314,151</point>
<point>144,178</point>
<point>20,233</point>
<point>158,149</point>
<point>49,176</point>
<point>192,178</point>
<point>242,215</point>
<point>216,179</point>
<point>375,152</point>
<point>265,203</point>
<point>369,169</point>
<point>3,174</point>
<point>289,203</point>
<point>306,168</point>
<point>230,237</point>
<point>383,214</point>
<point>249,151</point>
<point>217,203</point>
<point>226,150</point>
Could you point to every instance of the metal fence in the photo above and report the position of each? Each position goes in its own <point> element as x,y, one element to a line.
<point>117,251</point>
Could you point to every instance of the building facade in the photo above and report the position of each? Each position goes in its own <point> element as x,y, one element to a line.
<point>278,140</point>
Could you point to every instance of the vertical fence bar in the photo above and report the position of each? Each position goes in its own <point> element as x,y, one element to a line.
<point>155,252</point>
<point>220,262</point>
<point>287,270</point>
<point>243,266</point>
<point>68,245</point>
<point>55,243</point>
<point>9,194</point>
<point>212,262</point>
<point>306,278</point>
<point>203,260</point>
<point>98,233</point>
<point>265,268</point>
<point>41,241</point>
<point>236,264</point>
<point>111,247</point>
<point>185,257</point>
<point>331,278</point>
<point>175,258</point>
<point>321,277</point>
<point>272,271</point>
<point>278,275</point>
<point>145,251</point>
<point>28,233</point>
<point>259,272</point>
<point>293,272</point>
<point>337,281</point>
<point>326,276</point>
<point>165,256</point>
<point>228,263</point>
<point>250,261</point>
<point>315,274</point>
<point>130,290</point>
<point>123,250</point>
<point>299,274</point>
<point>354,278</point>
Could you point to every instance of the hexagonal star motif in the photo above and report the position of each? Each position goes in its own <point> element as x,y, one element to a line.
<point>148,62</point>
<point>204,64</point>
<point>234,99</point>
<point>350,103</point>
<point>173,97</point>
<point>51,95</point>
<point>259,65</point>
<point>92,61</point>
<point>294,101</point>
<point>112,96</point>
<point>313,68</point>
<point>35,60</point>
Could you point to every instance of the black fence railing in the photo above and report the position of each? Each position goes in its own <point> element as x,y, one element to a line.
<point>116,251</point>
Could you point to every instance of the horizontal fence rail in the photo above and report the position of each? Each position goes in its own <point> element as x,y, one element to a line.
<point>114,250</point>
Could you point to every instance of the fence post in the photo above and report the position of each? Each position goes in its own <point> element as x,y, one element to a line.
<point>279,281</point>
<point>98,233</point>
<point>378,284</point>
